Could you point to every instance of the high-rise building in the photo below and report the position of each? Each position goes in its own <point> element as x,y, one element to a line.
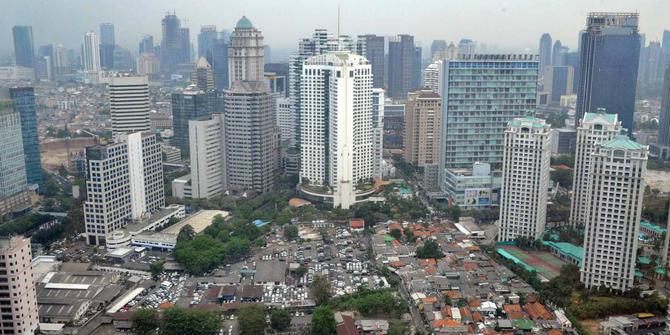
<point>44,67</point>
<point>558,82</point>
<point>147,44</point>
<point>666,42</point>
<point>609,57</point>
<point>401,66</point>
<point>595,128</point>
<point>14,194</point>
<point>372,48</point>
<point>545,52</point>
<point>559,54</point>
<point>24,50</point>
<point>336,129</point>
<point>20,311</point>
<point>416,68</point>
<point>251,135</point>
<point>206,38</point>
<point>91,53</point>
<point>107,44</point>
<point>61,62</point>
<point>652,63</point>
<point>203,75</point>
<point>123,60</point>
<point>124,181</point>
<point>185,45</point>
<point>190,104</point>
<point>129,103</point>
<point>525,179</point>
<point>663,141</point>
<point>170,47</point>
<point>24,104</point>
<point>423,122</point>
<point>466,47</point>
<point>286,121</point>
<point>437,49</point>
<point>147,64</point>
<point>614,205</point>
<point>208,157</point>
<point>480,95</point>
<point>378,99</point>
<point>431,76</point>
<point>245,53</point>
<point>219,62</point>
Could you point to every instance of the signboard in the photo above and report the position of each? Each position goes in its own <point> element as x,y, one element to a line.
<point>477,196</point>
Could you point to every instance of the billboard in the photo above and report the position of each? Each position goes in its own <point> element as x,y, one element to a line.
<point>477,197</point>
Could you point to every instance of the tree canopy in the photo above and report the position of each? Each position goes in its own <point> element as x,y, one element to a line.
<point>252,320</point>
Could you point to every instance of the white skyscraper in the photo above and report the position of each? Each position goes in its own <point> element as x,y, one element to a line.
<point>207,149</point>
<point>19,300</point>
<point>245,53</point>
<point>336,128</point>
<point>124,181</point>
<point>378,128</point>
<point>286,121</point>
<point>431,76</point>
<point>91,52</point>
<point>129,104</point>
<point>594,128</point>
<point>523,198</point>
<point>615,191</point>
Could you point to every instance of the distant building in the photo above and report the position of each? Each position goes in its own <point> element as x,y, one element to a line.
<point>245,53</point>
<point>171,44</point>
<point>475,187</point>
<point>107,46</point>
<point>24,104</point>
<point>20,312</point>
<point>147,44</point>
<point>148,64</point>
<point>24,50</point>
<point>558,82</point>
<point>423,122</point>
<point>525,179</point>
<point>129,104</point>
<point>378,100</point>
<point>372,48</point>
<point>203,75</point>
<point>401,65</point>
<point>544,52</point>
<point>286,121</point>
<point>564,141</point>
<point>90,57</point>
<point>14,195</point>
<point>437,49</point>
<point>190,104</point>
<point>612,219</point>
<point>662,146</point>
<point>431,76</point>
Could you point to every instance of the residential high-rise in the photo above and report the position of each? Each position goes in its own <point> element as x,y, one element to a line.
<point>545,52</point>
<point>336,129</point>
<point>286,121</point>
<point>251,136</point>
<point>378,99</point>
<point>147,44</point>
<point>401,66</point>
<point>91,53</point>
<point>203,75</point>
<point>614,205</point>
<point>372,48</point>
<point>170,47</point>
<point>148,64</point>
<point>431,76</point>
<point>437,49</point>
<point>14,194</point>
<point>245,53</point>
<point>129,103</point>
<point>24,50</point>
<point>525,179</point>
<point>190,104</point>
<point>20,311</point>
<point>609,57</point>
<point>423,122</point>
<point>107,44</point>
<point>208,157</point>
<point>558,82</point>
<point>124,181</point>
<point>595,128</point>
<point>24,104</point>
<point>480,95</point>
<point>61,62</point>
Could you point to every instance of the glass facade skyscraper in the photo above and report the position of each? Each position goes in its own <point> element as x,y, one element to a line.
<point>401,66</point>
<point>609,60</point>
<point>13,187</point>
<point>24,49</point>
<point>190,104</point>
<point>24,104</point>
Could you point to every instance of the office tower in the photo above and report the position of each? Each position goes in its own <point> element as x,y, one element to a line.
<point>124,181</point>
<point>44,63</point>
<point>558,82</point>
<point>148,64</point>
<point>185,45</point>
<point>651,65</point>
<point>594,128</point>
<point>286,121</point>
<point>401,66</point>
<point>206,38</point>
<point>666,42</point>
<point>372,48</point>
<point>437,49</point>
<point>423,122</point>
<point>431,76</point>
<point>24,51</point>
<point>190,104</point>
<point>107,44</point>
<point>572,60</point>
<point>19,300</point>
<point>609,55</point>
<point>24,104</point>
<point>14,194</point>
<point>219,62</point>
<point>61,61</point>
<point>378,129</point>
<point>245,53</point>
<point>203,76</point>
<point>129,103</point>
<point>90,53</point>
<point>480,95</point>
<point>147,44</point>
<point>416,68</point>
<point>336,130</point>
<point>614,204</point>
<point>123,60</point>
<point>267,54</point>
<point>558,54</point>
<point>251,135</point>
<point>664,118</point>
<point>525,179</point>
<point>208,160</point>
<point>170,48</point>
<point>466,47</point>
<point>545,52</point>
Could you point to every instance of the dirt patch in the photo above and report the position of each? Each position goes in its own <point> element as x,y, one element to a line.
<point>592,326</point>
<point>658,180</point>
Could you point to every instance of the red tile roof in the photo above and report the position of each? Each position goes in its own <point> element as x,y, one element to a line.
<point>357,223</point>
<point>537,311</point>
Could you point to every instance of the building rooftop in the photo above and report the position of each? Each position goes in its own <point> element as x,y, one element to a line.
<point>600,117</point>
<point>270,272</point>
<point>529,121</point>
<point>244,23</point>
<point>648,225</point>
<point>623,142</point>
<point>198,221</point>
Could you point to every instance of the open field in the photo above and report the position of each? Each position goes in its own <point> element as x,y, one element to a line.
<point>546,264</point>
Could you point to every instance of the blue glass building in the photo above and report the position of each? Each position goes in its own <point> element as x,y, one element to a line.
<point>24,104</point>
<point>23,46</point>
<point>191,104</point>
<point>609,59</point>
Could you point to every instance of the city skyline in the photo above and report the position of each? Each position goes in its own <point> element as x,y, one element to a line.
<point>520,22</point>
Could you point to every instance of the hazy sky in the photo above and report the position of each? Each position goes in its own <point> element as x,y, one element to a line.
<point>508,24</point>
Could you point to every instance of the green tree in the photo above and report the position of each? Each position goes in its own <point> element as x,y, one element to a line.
<point>323,321</point>
<point>179,321</point>
<point>199,255</point>
<point>396,233</point>
<point>320,289</point>
<point>156,268</point>
<point>429,249</point>
<point>290,232</point>
<point>280,319</point>
<point>251,320</point>
<point>186,233</point>
<point>145,321</point>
